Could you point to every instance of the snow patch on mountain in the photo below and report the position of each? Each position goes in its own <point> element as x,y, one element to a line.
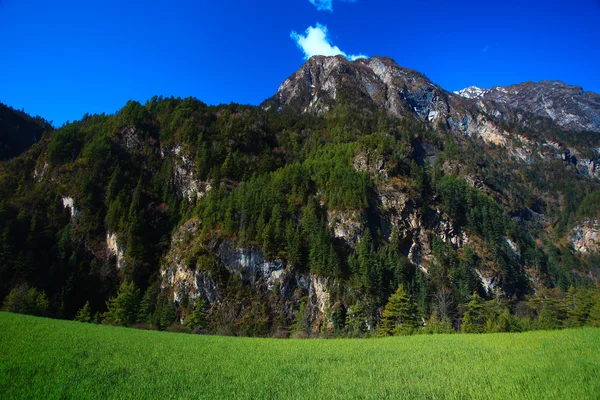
<point>472,92</point>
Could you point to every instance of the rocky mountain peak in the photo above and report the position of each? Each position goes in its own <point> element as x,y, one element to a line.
<point>472,92</point>
<point>323,82</point>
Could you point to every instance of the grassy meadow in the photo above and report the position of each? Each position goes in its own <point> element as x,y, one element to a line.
<point>44,358</point>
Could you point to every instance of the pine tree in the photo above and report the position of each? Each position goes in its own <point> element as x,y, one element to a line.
<point>474,318</point>
<point>123,309</point>
<point>437,325</point>
<point>356,320</point>
<point>580,311</point>
<point>399,315</point>
<point>148,304</point>
<point>85,314</point>
<point>294,246</point>
<point>366,260</point>
<point>166,312</point>
<point>547,318</point>
<point>197,322</point>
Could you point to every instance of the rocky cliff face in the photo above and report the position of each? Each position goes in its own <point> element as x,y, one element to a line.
<point>272,280</point>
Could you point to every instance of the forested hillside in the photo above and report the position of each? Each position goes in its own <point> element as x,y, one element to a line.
<point>349,220</point>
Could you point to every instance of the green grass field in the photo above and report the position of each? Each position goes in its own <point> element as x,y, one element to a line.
<point>44,358</point>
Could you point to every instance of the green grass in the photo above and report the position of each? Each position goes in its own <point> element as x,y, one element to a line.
<point>44,358</point>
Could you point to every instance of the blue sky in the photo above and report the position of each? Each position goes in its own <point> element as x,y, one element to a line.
<point>64,58</point>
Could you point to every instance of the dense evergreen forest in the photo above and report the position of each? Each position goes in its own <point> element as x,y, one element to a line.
<point>273,181</point>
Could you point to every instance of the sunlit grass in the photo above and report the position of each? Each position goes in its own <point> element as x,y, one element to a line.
<point>43,358</point>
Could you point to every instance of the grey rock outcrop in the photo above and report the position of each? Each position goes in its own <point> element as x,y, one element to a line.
<point>585,237</point>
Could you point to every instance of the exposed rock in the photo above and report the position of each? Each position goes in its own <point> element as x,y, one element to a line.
<point>372,164</point>
<point>472,92</point>
<point>490,133</point>
<point>513,246</point>
<point>114,250</point>
<point>177,277</point>
<point>347,225</point>
<point>585,237</point>
<point>319,302</point>
<point>268,277</point>
<point>40,174</point>
<point>488,280</point>
<point>398,207</point>
<point>183,179</point>
<point>69,203</point>
<point>589,167</point>
<point>250,263</point>
<point>131,140</point>
<point>400,91</point>
<point>181,281</point>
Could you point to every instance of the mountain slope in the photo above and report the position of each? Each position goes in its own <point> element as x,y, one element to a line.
<point>303,214</point>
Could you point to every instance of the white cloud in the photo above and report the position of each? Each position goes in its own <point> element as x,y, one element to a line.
<point>327,5</point>
<point>316,42</point>
<point>322,5</point>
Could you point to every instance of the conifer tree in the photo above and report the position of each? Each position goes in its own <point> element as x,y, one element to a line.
<point>399,315</point>
<point>474,319</point>
<point>583,303</point>
<point>85,314</point>
<point>148,304</point>
<point>197,322</point>
<point>123,309</point>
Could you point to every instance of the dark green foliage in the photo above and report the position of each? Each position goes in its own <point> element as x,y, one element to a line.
<point>357,318</point>
<point>481,215</point>
<point>18,131</point>
<point>474,319</point>
<point>85,314</point>
<point>66,144</point>
<point>590,206</point>
<point>197,320</point>
<point>123,309</point>
<point>148,304</point>
<point>165,313</point>
<point>25,300</point>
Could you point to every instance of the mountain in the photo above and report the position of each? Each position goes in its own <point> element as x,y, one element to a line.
<point>568,106</point>
<point>380,83</point>
<point>305,214</point>
<point>322,82</point>
<point>522,118</point>
<point>18,131</point>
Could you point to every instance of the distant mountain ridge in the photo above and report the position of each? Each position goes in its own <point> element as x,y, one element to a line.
<point>568,106</point>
